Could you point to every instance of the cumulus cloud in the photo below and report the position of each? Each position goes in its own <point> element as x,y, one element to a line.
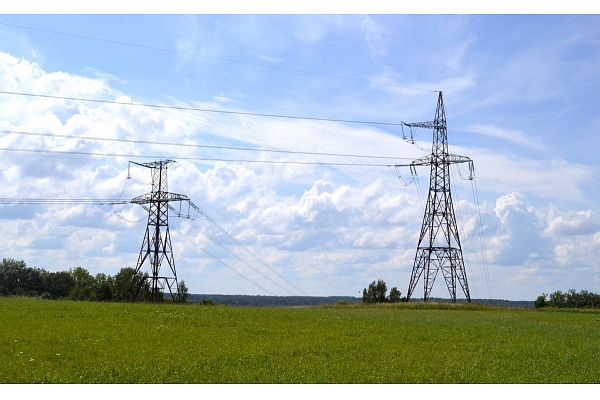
<point>572,223</point>
<point>519,234</point>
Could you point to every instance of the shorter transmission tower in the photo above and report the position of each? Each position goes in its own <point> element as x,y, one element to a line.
<point>439,244</point>
<point>156,246</point>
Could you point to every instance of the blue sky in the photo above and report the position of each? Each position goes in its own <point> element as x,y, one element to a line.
<point>521,96</point>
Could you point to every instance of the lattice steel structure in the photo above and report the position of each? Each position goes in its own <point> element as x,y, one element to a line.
<point>439,243</point>
<point>156,246</point>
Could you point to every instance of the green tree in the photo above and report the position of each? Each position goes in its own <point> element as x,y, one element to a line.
<point>58,284</point>
<point>126,281</point>
<point>16,278</point>
<point>395,295</point>
<point>557,299</point>
<point>84,284</point>
<point>541,301</point>
<point>183,292</point>
<point>104,287</point>
<point>375,293</point>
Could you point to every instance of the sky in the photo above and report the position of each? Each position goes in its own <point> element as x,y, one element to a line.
<point>521,95</point>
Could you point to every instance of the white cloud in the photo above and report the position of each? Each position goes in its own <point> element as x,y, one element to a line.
<point>322,227</point>
<point>572,223</point>
<point>549,179</point>
<point>373,37</point>
<point>508,135</point>
<point>518,238</point>
<point>106,76</point>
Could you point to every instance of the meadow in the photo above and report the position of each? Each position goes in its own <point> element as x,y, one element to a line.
<point>43,341</point>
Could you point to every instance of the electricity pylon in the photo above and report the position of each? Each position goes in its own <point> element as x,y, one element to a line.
<point>439,244</point>
<point>156,246</point>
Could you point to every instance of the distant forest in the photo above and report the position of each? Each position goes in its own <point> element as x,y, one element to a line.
<point>272,301</point>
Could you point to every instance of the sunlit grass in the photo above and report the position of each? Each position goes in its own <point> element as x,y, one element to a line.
<point>64,341</point>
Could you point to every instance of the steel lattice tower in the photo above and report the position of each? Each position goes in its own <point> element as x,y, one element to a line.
<point>156,246</point>
<point>439,244</point>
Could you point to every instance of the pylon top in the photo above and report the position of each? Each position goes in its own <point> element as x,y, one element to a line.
<point>154,164</point>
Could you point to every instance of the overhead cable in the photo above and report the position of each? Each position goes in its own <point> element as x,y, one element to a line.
<point>67,152</point>
<point>197,145</point>
<point>221,262</point>
<point>296,255</point>
<point>215,58</point>
<point>208,110</point>
<point>13,200</point>
<point>230,252</point>
<point>247,250</point>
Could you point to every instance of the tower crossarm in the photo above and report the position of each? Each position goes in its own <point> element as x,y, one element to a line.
<point>163,197</point>
<point>426,125</point>
<point>154,164</point>
<point>413,125</point>
<point>456,159</point>
<point>423,161</point>
<point>431,160</point>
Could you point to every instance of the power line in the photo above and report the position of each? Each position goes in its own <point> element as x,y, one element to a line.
<point>230,252</point>
<point>296,255</point>
<point>13,200</point>
<point>221,262</point>
<point>67,152</point>
<point>247,250</point>
<point>209,110</point>
<point>216,58</point>
<point>482,242</point>
<point>197,145</point>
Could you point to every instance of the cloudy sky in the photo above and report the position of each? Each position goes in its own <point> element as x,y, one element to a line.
<point>521,95</point>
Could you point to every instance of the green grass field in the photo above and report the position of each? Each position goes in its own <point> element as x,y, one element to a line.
<point>78,342</point>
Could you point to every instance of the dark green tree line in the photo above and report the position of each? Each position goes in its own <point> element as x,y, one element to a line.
<point>570,299</point>
<point>376,293</point>
<point>16,279</point>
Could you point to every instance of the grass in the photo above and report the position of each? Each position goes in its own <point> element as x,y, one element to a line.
<point>78,342</point>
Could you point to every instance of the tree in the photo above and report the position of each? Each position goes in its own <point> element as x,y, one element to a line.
<point>395,295</point>
<point>375,293</point>
<point>557,299</point>
<point>104,287</point>
<point>58,284</point>
<point>18,279</point>
<point>541,301</point>
<point>183,292</point>
<point>126,281</point>
<point>84,284</point>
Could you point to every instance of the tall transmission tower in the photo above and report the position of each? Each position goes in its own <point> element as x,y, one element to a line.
<point>439,244</point>
<point>156,246</point>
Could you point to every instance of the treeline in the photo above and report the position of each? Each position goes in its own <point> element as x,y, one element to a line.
<point>269,301</point>
<point>274,301</point>
<point>16,279</point>
<point>570,299</point>
<point>493,302</point>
